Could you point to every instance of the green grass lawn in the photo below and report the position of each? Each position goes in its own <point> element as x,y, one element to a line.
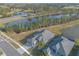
<point>1,25</point>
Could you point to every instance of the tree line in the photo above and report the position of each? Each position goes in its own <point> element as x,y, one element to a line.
<point>39,23</point>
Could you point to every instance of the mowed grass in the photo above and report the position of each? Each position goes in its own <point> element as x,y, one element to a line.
<point>1,25</point>
<point>11,19</point>
<point>54,29</point>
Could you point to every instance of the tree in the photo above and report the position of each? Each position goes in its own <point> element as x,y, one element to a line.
<point>30,19</point>
<point>1,25</point>
<point>77,42</point>
<point>5,11</point>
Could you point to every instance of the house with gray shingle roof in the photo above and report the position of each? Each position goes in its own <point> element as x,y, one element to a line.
<point>42,35</point>
<point>53,45</point>
<point>59,46</point>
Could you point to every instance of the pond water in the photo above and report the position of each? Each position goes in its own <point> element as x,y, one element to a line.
<point>40,19</point>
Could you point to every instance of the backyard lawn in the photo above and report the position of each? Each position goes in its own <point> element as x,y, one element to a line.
<point>1,25</point>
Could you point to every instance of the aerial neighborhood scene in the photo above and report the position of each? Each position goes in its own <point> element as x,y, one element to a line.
<point>39,29</point>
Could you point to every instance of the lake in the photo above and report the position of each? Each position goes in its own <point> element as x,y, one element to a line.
<point>40,20</point>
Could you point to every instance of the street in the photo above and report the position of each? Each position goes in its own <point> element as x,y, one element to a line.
<point>7,48</point>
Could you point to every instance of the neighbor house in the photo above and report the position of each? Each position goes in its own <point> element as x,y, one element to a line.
<point>59,46</point>
<point>24,14</point>
<point>53,45</point>
<point>42,35</point>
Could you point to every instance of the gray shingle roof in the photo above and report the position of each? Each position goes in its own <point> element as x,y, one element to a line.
<point>71,33</point>
<point>60,46</point>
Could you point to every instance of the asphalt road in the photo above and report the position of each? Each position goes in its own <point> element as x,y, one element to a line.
<point>8,48</point>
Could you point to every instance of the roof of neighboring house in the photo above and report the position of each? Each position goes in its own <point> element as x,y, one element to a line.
<point>45,34</point>
<point>71,33</point>
<point>60,42</point>
<point>67,45</point>
<point>20,14</point>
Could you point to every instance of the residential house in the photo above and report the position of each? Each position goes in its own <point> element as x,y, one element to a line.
<point>23,14</point>
<point>42,35</point>
<point>59,46</point>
